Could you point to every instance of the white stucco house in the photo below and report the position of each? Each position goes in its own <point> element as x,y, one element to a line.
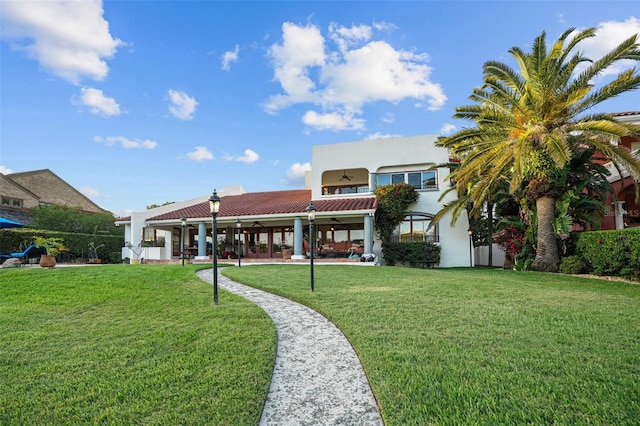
<point>341,185</point>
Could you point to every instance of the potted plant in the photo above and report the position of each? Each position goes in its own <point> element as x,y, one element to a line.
<point>137,251</point>
<point>93,253</point>
<point>53,246</point>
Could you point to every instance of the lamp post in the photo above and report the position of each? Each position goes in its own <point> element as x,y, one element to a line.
<point>214,207</point>
<point>470,248</point>
<point>184,223</point>
<point>311,214</point>
<point>239,226</point>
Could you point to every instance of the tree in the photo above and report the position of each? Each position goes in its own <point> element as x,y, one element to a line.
<point>531,121</point>
<point>153,206</point>
<point>68,219</point>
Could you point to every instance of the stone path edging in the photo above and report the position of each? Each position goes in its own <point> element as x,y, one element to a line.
<point>317,377</point>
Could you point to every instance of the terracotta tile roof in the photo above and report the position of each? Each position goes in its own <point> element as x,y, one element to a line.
<point>269,203</point>
<point>623,114</point>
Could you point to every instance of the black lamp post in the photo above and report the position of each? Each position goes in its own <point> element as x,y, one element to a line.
<point>184,223</point>
<point>239,226</point>
<point>214,207</point>
<point>471,248</point>
<point>311,214</point>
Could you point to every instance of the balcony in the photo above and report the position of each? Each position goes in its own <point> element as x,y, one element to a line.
<point>345,182</point>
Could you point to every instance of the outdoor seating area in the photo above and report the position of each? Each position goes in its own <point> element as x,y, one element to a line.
<point>340,250</point>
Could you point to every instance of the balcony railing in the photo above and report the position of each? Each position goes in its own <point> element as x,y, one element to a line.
<point>351,189</point>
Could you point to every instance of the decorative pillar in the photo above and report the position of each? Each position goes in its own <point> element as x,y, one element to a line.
<point>368,234</point>
<point>297,239</point>
<point>620,212</point>
<point>373,182</point>
<point>202,240</point>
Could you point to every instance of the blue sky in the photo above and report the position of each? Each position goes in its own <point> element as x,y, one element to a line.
<point>143,102</point>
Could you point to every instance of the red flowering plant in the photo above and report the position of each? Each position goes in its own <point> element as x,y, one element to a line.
<point>517,241</point>
<point>511,240</point>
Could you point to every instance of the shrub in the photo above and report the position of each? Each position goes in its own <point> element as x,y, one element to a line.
<point>614,253</point>
<point>12,240</point>
<point>572,265</point>
<point>412,253</point>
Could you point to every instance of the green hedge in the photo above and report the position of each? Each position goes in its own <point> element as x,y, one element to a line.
<point>414,254</point>
<point>13,240</point>
<point>615,253</point>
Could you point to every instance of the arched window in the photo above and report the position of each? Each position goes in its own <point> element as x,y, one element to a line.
<point>415,227</point>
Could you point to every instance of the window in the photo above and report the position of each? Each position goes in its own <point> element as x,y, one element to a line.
<point>419,179</point>
<point>415,227</point>
<point>11,202</point>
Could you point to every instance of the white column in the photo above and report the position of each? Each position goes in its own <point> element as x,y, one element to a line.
<point>202,241</point>
<point>297,239</point>
<point>620,212</point>
<point>368,234</point>
<point>373,182</point>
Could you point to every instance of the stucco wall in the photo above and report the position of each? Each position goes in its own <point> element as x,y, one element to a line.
<point>399,154</point>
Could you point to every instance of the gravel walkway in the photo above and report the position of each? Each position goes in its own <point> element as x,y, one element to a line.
<point>317,377</point>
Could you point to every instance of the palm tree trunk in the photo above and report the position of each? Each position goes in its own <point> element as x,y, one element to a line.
<point>547,258</point>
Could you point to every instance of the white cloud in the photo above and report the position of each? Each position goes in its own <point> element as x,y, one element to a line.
<point>249,157</point>
<point>69,39</point>
<point>447,129</point>
<point>98,103</point>
<point>347,37</point>
<point>5,170</point>
<point>229,57</point>
<point>610,34</point>
<point>388,118</point>
<point>362,70</point>
<point>201,153</point>
<point>296,173</point>
<point>301,48</point>
<point>182,105</point>
<point>92,193</point>
<point>332,121</point>
<point>125,142</point>
<point>379,135</point>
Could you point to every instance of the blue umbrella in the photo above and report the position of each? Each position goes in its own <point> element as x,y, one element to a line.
<point>6,223</point>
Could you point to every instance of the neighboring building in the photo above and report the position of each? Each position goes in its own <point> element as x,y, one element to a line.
<point>20,193</point>
<point>622,211</point>
<point>341,185</point>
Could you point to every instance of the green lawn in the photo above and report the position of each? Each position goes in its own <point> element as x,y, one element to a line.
<point>480,346</point>
<point>122,344</point>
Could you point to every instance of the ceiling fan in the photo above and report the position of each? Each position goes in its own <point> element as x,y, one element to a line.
<point>345,176</point>
<point>256,223</point>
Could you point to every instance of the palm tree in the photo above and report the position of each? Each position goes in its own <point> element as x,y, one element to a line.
<point>530,122</point>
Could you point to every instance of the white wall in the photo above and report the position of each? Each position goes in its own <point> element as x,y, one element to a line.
<point>399,154</point>
<point>482,256</point>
